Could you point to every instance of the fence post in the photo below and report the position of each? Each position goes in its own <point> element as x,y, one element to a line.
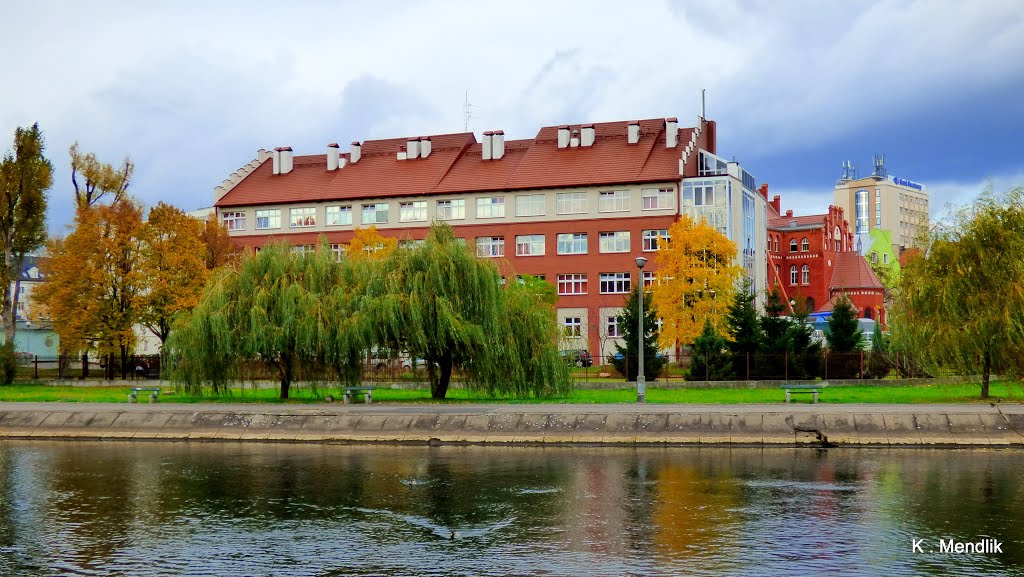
<point>862,365</point>
<point>707,373</point>
<point>748,365</point>
<point>36,372</point>
<point>826,366</point>
<point>785,359</point>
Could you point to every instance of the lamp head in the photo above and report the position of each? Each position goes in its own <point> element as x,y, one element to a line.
<point>641,261</point>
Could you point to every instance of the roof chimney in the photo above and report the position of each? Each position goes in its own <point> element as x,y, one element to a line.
<point>574,140</point>
<point>488,139</point>
<point>563,136</point>
<point>333,154</point>
<point>587,135</point>
<point>671,132</point>
<point>276,156</point>
<point>286,159</point>
<point>633,132</point>
<point>789,213</point>
<point>413,148</point>
<point>402,155</point>
<point>424,146</point>
<point>355,152</point>
<point>498,144</point>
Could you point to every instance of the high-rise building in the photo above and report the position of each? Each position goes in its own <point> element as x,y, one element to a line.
<point>883,202</point>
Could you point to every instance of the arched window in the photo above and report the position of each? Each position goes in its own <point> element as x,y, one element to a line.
<point>810,305</point>
<point>792,273</point>
<point>805,275</point>
<point>867,312</point>
<point>792,245</point>
<point>838,241</point>
<point>805,245</point>
<point>776,243</point>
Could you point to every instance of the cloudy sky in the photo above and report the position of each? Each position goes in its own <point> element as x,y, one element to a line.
<point>190,90</point>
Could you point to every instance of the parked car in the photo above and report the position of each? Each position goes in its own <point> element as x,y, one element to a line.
<point>409,363</point>
<point>578,357</point>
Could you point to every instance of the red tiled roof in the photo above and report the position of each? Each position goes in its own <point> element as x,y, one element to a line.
<point>777,222</point>
<point>851,270</point>
<point>455,165</point>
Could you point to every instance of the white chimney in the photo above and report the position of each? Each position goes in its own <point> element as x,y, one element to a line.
<point>424,146</point>
<point>563,136</point>
<point>355,152</point>
<point>262,155</point>
<point>333,154</point>
<point>276,155</point>
<point>286,160</point>
<point>671,132</point>
<point>402,155</point>
<point>574,140</point>
<point>587,135</point>
<point>488,140</point>
<point>413,149</point>
<point>498,144</point>
<point>633,132</point>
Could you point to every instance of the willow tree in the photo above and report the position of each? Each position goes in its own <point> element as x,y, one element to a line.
<point>961,304</point>
<point>441,303</point>
<point>291,310</point>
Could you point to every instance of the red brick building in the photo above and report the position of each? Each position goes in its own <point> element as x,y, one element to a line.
<point>812,259</point>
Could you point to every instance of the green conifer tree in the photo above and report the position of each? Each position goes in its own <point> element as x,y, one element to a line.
<point>710,360</point>
<point>626,362</point>
<point>845,335</point>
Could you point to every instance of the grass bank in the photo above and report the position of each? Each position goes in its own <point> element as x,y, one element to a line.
<point>958,393</point>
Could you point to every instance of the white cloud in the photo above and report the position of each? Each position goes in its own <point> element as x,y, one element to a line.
<point>947,196</point>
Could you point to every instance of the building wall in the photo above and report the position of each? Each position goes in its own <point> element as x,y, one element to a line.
<point>904,209</point>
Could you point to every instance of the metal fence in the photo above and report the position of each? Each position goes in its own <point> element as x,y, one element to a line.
<point>71,367</point>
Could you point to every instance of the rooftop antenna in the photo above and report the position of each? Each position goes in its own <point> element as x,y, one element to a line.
<point>702,109</point>
<point>467,112</point>
<point>880,166</point>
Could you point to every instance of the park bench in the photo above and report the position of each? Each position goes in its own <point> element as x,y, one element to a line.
<point>348,392</point>
<point>133,393</point>
<point>798,389</point>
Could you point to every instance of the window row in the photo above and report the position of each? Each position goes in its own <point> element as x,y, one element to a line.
<point>805,275</point>
<point>569,243</point>
<point>454,209</point>
<point>572,327</point>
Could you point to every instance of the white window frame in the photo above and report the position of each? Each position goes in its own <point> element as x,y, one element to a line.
<point>530,245</point>
<point>412,211</point>
<point>652,238</point>
<point>272,216</point>
<point>613,201</point>
<point>656,198</point>
<point>571,203</point>
<point>617,241</point>
<point>234,220</point>
<point>302,217</point>
<point>612,327</point>
<point>805,275</point>
<point>805,244</point>
<point>572,327</point>
<point>490,246</point>
<point>338,249</point>
<point>572,284</point>
<point>530,204</point>
<point>649,278</point>
<point>572,240</point>
<point>615,283</point>
<point>451,209</point>
<point>490,207</point>
<point>378,210</point>
<point>339,215</point>
<point>792,275</point>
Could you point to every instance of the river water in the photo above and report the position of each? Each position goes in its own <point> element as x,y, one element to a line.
<point>225,509</point>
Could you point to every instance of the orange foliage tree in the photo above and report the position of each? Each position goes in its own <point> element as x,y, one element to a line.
<point>173,267</point>
<point>696,280</point>
<point>220,249</point>
<point>368,244</point>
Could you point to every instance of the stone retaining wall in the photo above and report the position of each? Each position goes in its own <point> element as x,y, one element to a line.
<point>643,425</point>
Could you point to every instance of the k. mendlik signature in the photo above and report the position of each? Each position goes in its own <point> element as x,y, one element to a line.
<point>981,547</point>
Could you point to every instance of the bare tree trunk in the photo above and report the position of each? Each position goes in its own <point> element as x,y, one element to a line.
<point>286,374</point>
<point>439,388</point>
<point>85,365</point>
<point>985,373</point>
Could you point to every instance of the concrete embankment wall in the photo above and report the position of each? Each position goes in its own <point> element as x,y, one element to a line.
<point>843,425</point>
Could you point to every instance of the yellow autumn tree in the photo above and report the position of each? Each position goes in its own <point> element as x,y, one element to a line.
<point>173,267</point>
<point>220,249</point>
<point>696,279</point>
<point>368,244</point>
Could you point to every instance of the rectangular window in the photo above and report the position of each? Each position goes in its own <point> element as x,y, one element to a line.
<point>415,211</point>
<point>304,248</point>
<point>572,243</point>
<point>652,237</point>
<point>490,246</point>
<point>302,217</point>
<point>704,194</point>
<point>268,218</point>
<point>234,220</point>
<point>573,327</point>
<point>571,203</point>
<point>530,205</point>
<point>530,245</point>
<point>572,284</point>
<point>614,282</point>
<point>451,209</point>
<point>613,201</point>
<point>613,327</point>
<point>614,241</point>
<point>375,213</point>
<point>337,250</point>
<point>878,208</point>
<point>339,215</point>
<point>885,258</point>
<point>490,207</point>
<point>655,198</point>
<point>410,242</point>
<point>648,278</point>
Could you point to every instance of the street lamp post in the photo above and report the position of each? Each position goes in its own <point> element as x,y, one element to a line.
<point>641,392</point>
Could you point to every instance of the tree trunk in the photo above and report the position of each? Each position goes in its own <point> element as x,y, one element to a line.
<point>439,388</point>
<point>85,365</point>
<point>286,375</point>
<point>985,370</point>
<point>124,361</point>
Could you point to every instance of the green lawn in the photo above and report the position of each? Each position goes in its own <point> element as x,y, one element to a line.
<point>1005,392</point>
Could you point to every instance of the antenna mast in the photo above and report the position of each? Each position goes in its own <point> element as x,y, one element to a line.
<point>467,112</point>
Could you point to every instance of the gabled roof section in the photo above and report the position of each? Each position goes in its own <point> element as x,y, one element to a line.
<point>785,222</point>
<point>851,271</point>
